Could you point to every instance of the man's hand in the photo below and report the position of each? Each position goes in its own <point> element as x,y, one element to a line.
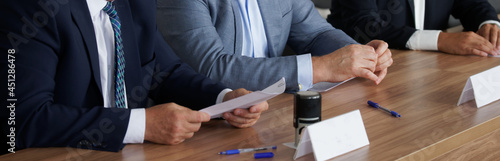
<point>464,43</point>
<point>171,123</point>
<point>384,60</point>
<point>347,62</point>
<point>243,118</point>
<point>491,32</point>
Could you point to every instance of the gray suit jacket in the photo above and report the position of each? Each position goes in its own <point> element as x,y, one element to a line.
<point>207,35</point>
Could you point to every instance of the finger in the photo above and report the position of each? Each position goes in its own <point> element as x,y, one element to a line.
<point>366,73</point>
<point>245,113</point>
<point>384,61</point>
<point>383,66</point>
<point>374,43</point>
<point>381,76</point>
<point>498,40</point>
<point>369,54</point>
<point>365,52</point>
<point>190,127</point>
<point>187,136</point>
<point>486,32</point>
<point>241,92</point>
<point>366,64</point>
<point>479,52</point>
<point>261,107</point>
<point>493,35</point>
<point>196,116</point>
<point>483,45</point>
<point>178,140</point>
<point>231,118</point>
<point>381,48</point>
<point>236,93</point>
<point>241,125</point>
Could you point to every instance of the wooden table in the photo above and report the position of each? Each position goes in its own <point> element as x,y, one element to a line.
<point>424,87</point>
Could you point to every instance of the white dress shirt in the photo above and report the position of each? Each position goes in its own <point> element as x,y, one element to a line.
<point>106,49</point>
<point>255,42</point>
<point>428,39</point>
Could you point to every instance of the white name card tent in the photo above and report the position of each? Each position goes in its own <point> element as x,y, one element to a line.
<point>333,137</point>
<point>484,87</point>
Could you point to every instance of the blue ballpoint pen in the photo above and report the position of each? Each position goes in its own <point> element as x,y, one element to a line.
<point>237,151</point>
<point>376,105</point>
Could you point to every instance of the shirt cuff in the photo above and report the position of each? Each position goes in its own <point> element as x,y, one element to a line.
<point>489,22</point>
<point>305,72</point>
<point>136,126</point>
<point>424,40</point>
<point>221,95</point>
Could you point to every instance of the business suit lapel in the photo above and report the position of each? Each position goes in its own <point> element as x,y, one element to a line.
<point>81,16</point>
<point>272,23</point>
<point>411,3</point>
<point>238,40</point>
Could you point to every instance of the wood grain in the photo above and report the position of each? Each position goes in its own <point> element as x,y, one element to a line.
<point>462,139</point>
<point>424,87</point>
<point>483,148</point>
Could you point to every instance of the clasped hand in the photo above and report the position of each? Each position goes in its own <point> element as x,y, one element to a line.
<point>369,61</point>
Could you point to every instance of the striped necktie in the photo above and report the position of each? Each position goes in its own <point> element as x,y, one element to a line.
<point>120,60</point>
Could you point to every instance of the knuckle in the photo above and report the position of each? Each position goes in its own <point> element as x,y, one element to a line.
<point>389,53</point>
<point>199,117</point>
<point>177,129</point>
<point>469,34</point>
<point>366,74</point>
<point>176,116</point>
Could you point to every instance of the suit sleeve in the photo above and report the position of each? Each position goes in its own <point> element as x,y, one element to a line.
<point>310,33</point>
<point>364,21</point>
<point>473,12</point>
<point>39,120</point>
<point>187,27</point>
<point>179,83</point>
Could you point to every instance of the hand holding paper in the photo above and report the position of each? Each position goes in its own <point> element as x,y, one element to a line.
<point>246,101</point>
<point>243,118</point>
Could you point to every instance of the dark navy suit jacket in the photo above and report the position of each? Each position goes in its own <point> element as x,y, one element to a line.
<point>58,88</point>
<point>393,20</point>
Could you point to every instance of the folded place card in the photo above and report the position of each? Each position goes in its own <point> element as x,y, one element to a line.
<point>484,87</point>
<point>333,137</point>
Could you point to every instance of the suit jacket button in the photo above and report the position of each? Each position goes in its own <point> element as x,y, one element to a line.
<point>85,143</point>
<point>96,144</point>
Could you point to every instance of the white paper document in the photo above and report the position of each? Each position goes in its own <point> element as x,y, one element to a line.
<point>484,87</point>
<point>246,101</point>
<point>333,137</point>
<point>326,86</point>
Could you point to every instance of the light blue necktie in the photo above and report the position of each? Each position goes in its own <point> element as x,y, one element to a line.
<point>120,60</point>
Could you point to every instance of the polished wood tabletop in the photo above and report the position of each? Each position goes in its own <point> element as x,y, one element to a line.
<point>424,87</point>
